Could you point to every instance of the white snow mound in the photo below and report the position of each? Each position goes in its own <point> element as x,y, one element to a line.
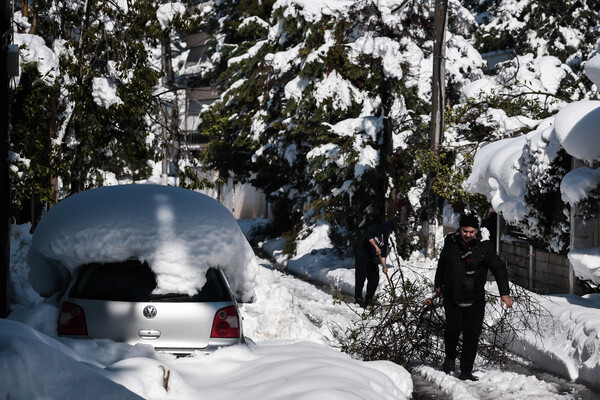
<point>179,232</point>
<point>592,69</point>
<point>576,128</point>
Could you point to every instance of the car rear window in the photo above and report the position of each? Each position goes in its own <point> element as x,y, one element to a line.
<point>134,281</point>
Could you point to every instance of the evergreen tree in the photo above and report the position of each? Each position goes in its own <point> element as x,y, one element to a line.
<point>560,29</point>
<point>35,112</point>
<point>101,137</point>
<point>563,28</point>
<point>102,46</point>
<point>311,112</point>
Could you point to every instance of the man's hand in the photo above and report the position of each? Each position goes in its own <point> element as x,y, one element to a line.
<point>383,264</point>
<point>506,299</point>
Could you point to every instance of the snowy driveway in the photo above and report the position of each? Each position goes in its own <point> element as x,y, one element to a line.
<point>291,355</point>
<point>293,309</point>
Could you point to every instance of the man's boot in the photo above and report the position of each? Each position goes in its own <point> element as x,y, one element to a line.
<point>359,301</point>
<point>449,365</point>
<point>467,376</point>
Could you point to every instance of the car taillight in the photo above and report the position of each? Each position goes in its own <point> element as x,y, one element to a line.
<point>71,320</point>
<point>226,323</point>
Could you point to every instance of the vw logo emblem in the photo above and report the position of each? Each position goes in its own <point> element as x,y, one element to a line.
<point>149,312</point>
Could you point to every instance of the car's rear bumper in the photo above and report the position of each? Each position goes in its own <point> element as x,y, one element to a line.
<point>181,352</point>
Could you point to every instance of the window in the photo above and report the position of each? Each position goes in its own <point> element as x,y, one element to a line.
<point>134,281</point>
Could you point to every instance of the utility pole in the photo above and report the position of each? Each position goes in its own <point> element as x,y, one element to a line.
<point>438,88</point>
<point>4,179</point>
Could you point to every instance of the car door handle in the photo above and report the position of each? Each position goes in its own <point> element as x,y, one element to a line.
<point>149,334</point>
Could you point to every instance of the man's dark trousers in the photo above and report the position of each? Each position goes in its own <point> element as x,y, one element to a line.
<point>365,269</point>
<point>469,320</point>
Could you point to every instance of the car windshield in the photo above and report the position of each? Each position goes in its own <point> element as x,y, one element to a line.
<point>134,281</point>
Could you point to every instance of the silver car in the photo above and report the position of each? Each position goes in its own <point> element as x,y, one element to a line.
<point>115,301</point>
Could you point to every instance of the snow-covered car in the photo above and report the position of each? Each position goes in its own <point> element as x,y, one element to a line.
<point>116,301</point>
<point>145,264</point>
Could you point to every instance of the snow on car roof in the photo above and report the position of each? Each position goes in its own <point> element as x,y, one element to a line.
<point>179,232</point>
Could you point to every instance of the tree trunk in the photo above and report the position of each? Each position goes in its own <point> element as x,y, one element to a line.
<point>388,153</point>
<point>77,173</point>
<point>33,28</point>
<point>386,193</point>
<point>53,179</point>
<point>4,177</point>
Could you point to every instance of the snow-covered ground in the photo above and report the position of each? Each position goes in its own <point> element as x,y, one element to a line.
<point>290,353</point>
<point>569,345</point>
<point>287,354</point>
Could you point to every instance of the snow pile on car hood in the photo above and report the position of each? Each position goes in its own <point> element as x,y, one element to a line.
<point>179,232</point>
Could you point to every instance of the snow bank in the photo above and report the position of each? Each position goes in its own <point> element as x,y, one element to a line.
<point>569,344</point>
<point>269,370</point>
<point>35,366</point>
<point>179,232</point>
<point>275,369</point>
<point>281,319</point>
<point>492,384</point>
<point>289,367</point>
<point>586,263</point>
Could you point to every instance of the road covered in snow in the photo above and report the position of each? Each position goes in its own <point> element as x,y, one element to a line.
<point>292,350</point>
<point>309,313</point>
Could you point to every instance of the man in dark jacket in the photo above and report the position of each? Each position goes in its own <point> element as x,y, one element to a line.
<point>372,250</point>
<point>461,276</point>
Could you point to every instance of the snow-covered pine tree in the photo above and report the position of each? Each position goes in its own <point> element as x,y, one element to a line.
<point>102,46</point>
<point>35,113</point>
<point>321,110</point>
<point>562,28</point>
<point>542,34</point>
